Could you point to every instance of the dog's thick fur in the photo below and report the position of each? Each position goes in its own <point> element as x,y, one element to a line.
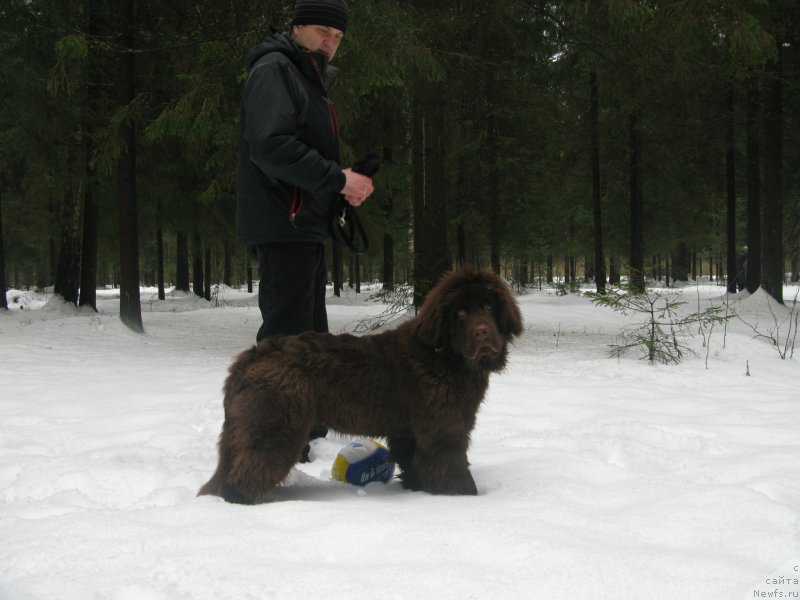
<point>419,386</point>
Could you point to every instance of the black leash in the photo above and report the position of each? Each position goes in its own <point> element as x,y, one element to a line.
<point>346,227</point>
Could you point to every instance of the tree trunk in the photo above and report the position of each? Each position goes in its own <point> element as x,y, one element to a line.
<point>597,211</point>
<point>636,267</point>
<point>197,266</point>
<point>431,255</point>
<point>3,288</point>
<point>613,271</point>
<point>461,206</point>
<point>130,309</point>
<point>88,276</point>
<point>357,272</point>
<point>68,268</point>
<point>730,186</point>
<point>88,269</point>
<point>489,142</point>
<point>680,263</point>
<point>461,242</point>
<point>182,262</point>
<point>568,275</point>
<point>388,262</point>
<point>227,265</point>
<point>160,248</point>
<point>44,278</point>
<point>493,181</point>
<point>753,190</point>
<point>772,249</point>
<point>207,274</point>
<point>350,276</point>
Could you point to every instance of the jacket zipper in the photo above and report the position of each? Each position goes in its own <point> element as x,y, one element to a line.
<point>334,119</point>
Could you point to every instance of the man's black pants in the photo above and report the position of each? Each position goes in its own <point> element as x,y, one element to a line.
<point>291,291</point>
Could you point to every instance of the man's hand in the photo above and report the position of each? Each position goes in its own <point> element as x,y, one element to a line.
<point>357,187</point>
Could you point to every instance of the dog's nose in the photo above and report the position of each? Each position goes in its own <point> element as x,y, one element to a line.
<point>480,332</point>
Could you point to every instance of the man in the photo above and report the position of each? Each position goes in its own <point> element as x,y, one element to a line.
<point>289,172</point>
<point>289,175</point>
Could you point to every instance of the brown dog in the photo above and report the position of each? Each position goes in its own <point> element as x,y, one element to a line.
<point>419,385</point>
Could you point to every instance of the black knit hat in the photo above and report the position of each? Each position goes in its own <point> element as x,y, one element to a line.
<point>331,13</point>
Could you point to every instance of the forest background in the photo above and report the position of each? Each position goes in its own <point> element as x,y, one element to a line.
<point>549,140</point>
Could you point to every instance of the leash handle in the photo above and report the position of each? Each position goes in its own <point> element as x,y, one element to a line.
<point>346,227</point>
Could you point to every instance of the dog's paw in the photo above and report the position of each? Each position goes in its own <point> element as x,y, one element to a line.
<point>304,457</point>
<point>459,485</point>
<point>411,481</point>
<point>234,496</point>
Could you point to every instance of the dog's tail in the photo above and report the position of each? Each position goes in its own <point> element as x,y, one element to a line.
<point>213,487</point>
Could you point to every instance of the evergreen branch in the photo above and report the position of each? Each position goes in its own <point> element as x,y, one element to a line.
<point>399,301</point>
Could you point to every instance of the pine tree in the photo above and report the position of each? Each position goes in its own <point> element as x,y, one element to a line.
<point>431,254</point>
<point>597,203</point>
<point>130,310</point>
<point>65,80</point>
<point>753,273</point>
<point>91,113</point>
<point>772,256</point>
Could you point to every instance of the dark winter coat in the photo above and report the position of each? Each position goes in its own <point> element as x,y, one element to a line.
<point>289,176</point>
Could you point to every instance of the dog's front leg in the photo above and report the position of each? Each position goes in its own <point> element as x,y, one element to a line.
<point>444,469</point>
<point>402,451</point>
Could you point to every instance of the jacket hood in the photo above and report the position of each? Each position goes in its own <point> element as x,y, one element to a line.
<point>283,44</point>
<point>273,42</point>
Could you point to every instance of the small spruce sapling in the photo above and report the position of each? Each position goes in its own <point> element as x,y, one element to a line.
<point>661,336</point>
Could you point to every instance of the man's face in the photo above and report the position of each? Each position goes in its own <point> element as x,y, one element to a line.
<point>318,38</point>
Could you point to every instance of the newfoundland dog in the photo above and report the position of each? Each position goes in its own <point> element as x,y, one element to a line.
<point>419,386</point>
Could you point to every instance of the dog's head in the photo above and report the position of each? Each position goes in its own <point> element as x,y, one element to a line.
<point>473,315</point>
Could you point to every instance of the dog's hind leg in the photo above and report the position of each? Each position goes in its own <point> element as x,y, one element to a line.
<point>259,468</point>
<point>257,471</point>
<point>264,446</point>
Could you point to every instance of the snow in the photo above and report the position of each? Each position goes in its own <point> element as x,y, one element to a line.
<point>597,477</point>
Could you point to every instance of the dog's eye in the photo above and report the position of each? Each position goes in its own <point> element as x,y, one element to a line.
<point>488,307</point>
<point>462,314</point>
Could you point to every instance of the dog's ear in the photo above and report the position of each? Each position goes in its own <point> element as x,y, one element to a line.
<point>509,317</point>
<point>432,320</point>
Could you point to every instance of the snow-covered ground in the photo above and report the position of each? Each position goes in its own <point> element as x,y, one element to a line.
<point>598,478</point>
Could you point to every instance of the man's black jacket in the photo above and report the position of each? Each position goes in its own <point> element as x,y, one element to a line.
<point>289,176</point>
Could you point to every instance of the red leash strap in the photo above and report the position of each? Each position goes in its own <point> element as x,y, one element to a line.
<point>297,204</point>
